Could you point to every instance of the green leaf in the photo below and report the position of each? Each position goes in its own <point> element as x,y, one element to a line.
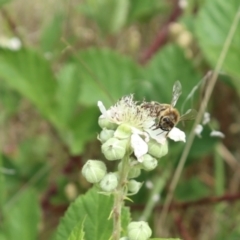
<point>202,146</point>
<point>82,128</point>
<point>94,209</point>
<point>142,10</point>
<point>77,233</point>
<point>67,93</point>
<point>52,33</point>
<point>2,2</point>
<point>22,219</point>
<point>165,68</point>
<point>10,99</point>
<point>116,15</point>
<point>30,74</point>
<point>212,27</point>
<point>106,76</point>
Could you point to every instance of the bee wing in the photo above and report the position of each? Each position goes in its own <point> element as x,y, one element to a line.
<point>177,91</point>
<point>189,115</point>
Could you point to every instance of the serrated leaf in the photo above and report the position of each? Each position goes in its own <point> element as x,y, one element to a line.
<point>212,30</point>
<point>164,69</point>
<point>95,208</point>
<point>141,10</point>
<point>68,89</point>
<point>82,128</point>
<point>111,22</point>
<point>22,219</point>
<point>78,232</point>
<point>105,76</point>
<point>52,33</point>
<point>30,74</point>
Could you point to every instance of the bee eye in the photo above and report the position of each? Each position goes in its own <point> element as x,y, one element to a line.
<point>166,119</point>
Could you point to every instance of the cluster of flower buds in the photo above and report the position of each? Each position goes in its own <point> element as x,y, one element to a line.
<point>127,130</point>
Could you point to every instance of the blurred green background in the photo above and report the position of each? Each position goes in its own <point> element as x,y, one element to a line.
<point>58,58</point>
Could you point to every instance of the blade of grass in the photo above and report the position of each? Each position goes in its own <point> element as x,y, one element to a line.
<point>191,137</point>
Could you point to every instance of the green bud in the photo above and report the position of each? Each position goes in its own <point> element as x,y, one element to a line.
<point>114,149</point>
<point>149,163</point>
<point>134,171</point>
<point>109,182</point>
<point>124,238</point>
<point>105,123</point>
<point>139,231</point>
<point>94,171</point>
<point>105,134</point>
<point>156,149</point>
<point>134,186</point>
<point>123,131</point>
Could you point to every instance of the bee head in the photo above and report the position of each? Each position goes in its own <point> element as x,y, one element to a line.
<point>169,120</point>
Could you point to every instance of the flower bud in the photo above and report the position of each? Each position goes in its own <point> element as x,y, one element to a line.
<point>109,182</point>
<point>134,171</point>
<point>106,123</point>
<point>123,131</point>
<point>157,150</point>
<point>149,163</point>
<point>105,134</point>
<point>94,171</point>
<point>139,231</point>
<point>114,149</point>
<point>134,186</point>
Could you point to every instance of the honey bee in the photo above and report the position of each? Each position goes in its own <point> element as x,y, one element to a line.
<point>166,115</point>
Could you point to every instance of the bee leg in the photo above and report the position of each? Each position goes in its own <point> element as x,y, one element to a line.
<point>161,133</point>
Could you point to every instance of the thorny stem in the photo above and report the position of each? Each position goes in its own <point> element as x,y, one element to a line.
<point>191,137</point>
<point>119,196</point>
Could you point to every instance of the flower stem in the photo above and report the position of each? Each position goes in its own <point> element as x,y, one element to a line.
<point>119,196</point>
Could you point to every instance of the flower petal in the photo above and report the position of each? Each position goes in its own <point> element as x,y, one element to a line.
<point>139,132</point>
<point>217,134</point>
<point>198,130</point>
<point>177,135</point>
<point>158,134</point>
<point>206,118</point>
<point>102,110</point>
<point>139,146</point>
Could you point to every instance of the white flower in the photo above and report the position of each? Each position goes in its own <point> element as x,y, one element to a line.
<point>198,130</point>
<point>13,44</point>
<point>141,123</point>
<point>177,135</point>
<point>139,146</point>
<point>155,198</point>
<point>217,134</point>
<point>206,118</point>
<point>149,184</point>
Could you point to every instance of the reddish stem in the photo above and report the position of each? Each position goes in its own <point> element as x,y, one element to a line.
<point>161,38</point>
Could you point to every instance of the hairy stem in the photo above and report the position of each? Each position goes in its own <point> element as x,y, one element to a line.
<point>119,197</point>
